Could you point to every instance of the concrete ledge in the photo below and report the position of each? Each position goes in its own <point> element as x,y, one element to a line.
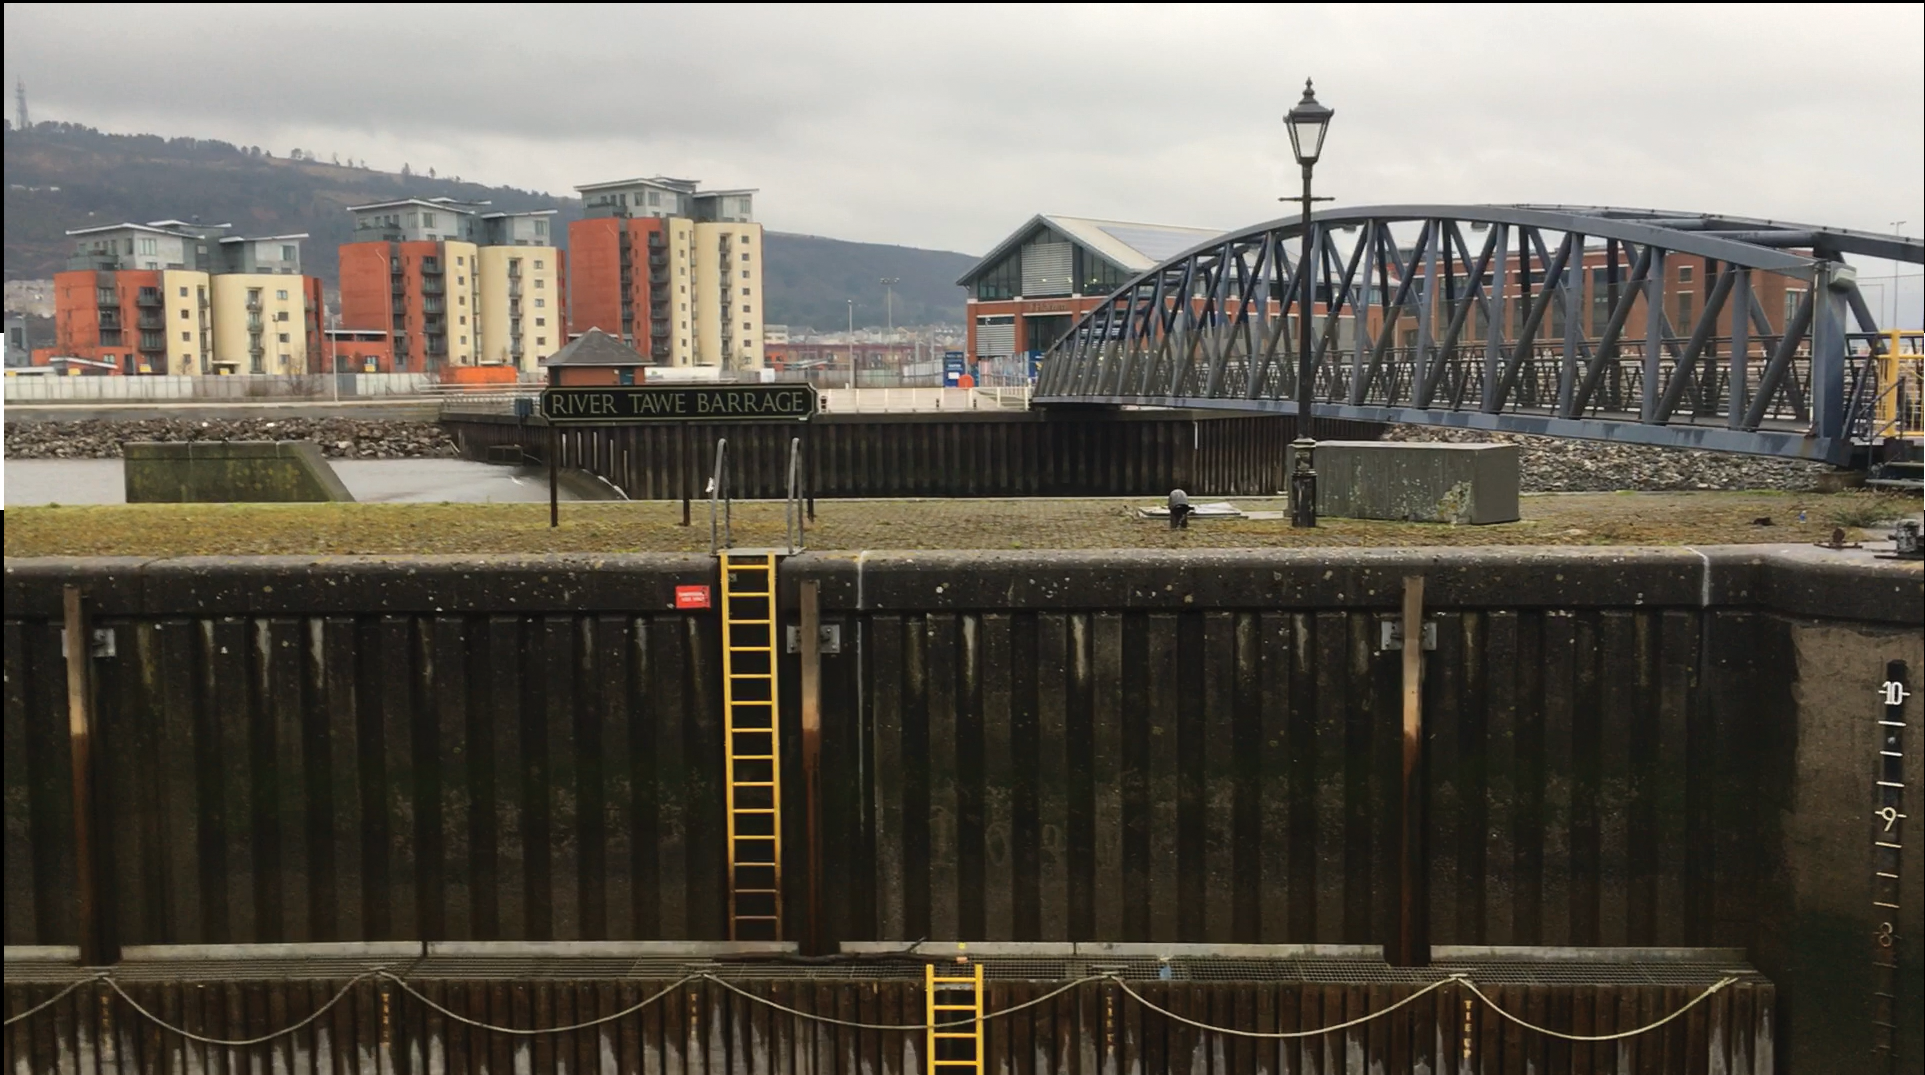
<point>229,472</point>
<point>1797,580</point>
<point>1416,481</point>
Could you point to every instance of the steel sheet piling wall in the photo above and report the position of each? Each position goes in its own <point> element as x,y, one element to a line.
<point>909,455</point>
<point>702,1027</point>
<point>1195,747</point>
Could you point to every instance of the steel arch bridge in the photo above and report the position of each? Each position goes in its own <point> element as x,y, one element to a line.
<point>1753,347</point>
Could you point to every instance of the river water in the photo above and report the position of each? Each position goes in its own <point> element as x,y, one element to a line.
<point>100,481</point>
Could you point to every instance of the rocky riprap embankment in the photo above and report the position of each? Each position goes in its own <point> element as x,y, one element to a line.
<point>1554,465</point>
<point>339,438</point>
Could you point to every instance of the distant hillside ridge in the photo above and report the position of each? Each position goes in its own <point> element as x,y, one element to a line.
<point>61,176</point>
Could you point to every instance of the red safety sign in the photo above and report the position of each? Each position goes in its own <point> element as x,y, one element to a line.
<point>691,597</point>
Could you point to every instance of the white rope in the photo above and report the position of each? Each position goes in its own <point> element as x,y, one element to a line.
<point>238,1042</point>
<point>51,1001</point>
<point>531,1032</point>
<point>1694,1002</point>
<point>987,1016</point>
<point>1359,1021</point>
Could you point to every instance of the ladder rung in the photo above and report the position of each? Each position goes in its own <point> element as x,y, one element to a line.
<point>754,783</point>
<point>954,1007</point>
<point>752,757</point>
<point>751,649</point>
<point>953,981</point>
<point>940,1034</point>
<point>754,810</point>
<point>751,675</point>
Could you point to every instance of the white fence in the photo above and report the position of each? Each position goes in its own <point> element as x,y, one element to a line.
<point>238,388</point>
<point>900,400</point>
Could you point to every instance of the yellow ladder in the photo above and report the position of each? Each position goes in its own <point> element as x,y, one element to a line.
<point>754,754</point>
<point>950,1048</point>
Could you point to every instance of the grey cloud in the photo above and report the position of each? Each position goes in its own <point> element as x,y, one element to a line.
<point>948,125</point>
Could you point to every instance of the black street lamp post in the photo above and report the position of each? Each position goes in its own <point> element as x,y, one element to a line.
<point>1307,123</point>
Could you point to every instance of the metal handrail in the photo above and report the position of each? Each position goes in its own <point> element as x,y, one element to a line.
<point>792,522</point>
<point>718,490</point>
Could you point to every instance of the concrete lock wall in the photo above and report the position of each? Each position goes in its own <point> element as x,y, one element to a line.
<point>1432,483</point>
<point>226,472</point>
<point>1626,747</point>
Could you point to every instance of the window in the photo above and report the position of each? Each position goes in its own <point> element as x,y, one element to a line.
<point>746,292</point>
<point>459,260</point>
<point>288,253</point>
<point>539,303</point>
<point>150,246</point>
<point>684,289</point>
<point>427,220</point>
<point>540,322</point>
<point>1793,296</point>
<point>684,271</point>
<point>747,325</point>
<point>461,300</point>
<point>540,283</point>
<point>745,309</point>
<point>183,293</point>
<point>745,257</point>
<point>685,307</point>
<point>460,279</point>
<point>1685,311</point>
<point>187,337</point>
<point>541,228</point>
<point>1684,274</point>
<point>280,315</point>
<point>183,315</point>
<point>464,319</point>
<point>284,361</point>
<point>283,337</point>
<point>538,263</point>
<point>541,341</point>
<point>745,274</point>
<point>282,295</point>
<point>464,341</point>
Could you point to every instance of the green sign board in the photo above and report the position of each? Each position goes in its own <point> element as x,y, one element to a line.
<point>625,405</point>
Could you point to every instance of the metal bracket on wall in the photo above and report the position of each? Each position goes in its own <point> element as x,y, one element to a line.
<point>1390,634</point>
<point>828,638</point>
<point>103,645</point>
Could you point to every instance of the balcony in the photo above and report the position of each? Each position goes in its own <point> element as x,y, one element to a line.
<point>255,324</point>
<point>660,332</point>
<point>147,296</point>
<point>433,287</point>
<point>514,289</point>
<point>658,261</point>
<point>109,322</point>
<point>431,266</point>
<point>394,267</point>
<point>437,346</point>
<point>434,306</point>
<point>253,304</point>
<point>660,350</point>
<point>150,322</point>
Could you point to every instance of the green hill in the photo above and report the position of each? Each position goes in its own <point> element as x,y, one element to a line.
<point>62,176</point>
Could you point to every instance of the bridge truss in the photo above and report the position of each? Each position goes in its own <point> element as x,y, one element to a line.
<point>1527,319</point>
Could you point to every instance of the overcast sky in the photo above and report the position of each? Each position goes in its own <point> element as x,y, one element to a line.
<point>948,126</point>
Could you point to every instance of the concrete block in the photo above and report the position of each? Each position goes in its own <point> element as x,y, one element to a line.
<point>1417,482</point>
<point>229,472</point>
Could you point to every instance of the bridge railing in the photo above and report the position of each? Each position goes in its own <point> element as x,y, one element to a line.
<point>1605,323</point>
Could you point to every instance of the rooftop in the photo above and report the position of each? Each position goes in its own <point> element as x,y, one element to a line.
<point>1132,247</point>
<point>595,348</point>
<point>687,186</point>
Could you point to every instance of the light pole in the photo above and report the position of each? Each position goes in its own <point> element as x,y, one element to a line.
<point>852,343</point>
<point>1307,123</point>
<point>889,300</point>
